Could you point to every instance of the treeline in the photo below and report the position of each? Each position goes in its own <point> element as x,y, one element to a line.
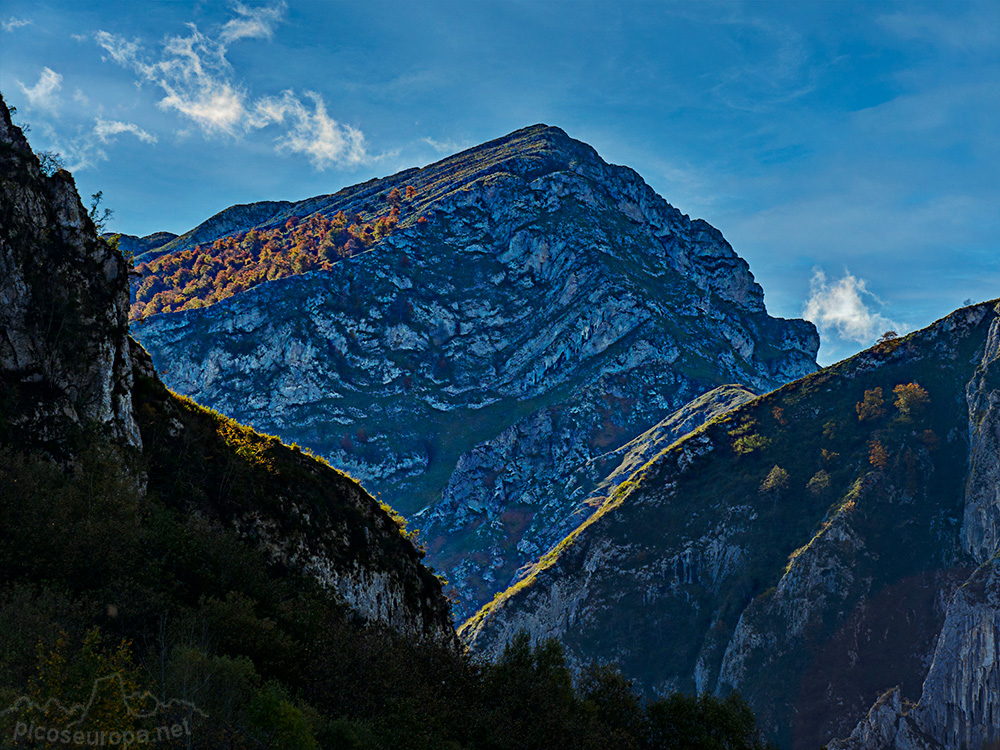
<point>203,275</point>
<point>105,584</point>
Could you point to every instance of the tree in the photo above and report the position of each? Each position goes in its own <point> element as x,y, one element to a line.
<point>887,336</point>
<point>101,677</point>
<point>609,698</point>
<point>819,482</point>
<point>100,218</point>
<point>775,481</point>
<point>410,192</point>
<point>50,162</point>
<point>877,455</point>
<point>910,400</point>
<point>703,723</point>
<point>871,406</point>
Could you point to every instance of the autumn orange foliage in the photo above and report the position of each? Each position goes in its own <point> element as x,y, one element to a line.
<point>205,274</point>
<point>878,456</point>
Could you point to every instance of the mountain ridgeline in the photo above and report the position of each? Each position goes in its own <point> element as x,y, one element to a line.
<point>537,359</point>
<point>481,360</point>
<point>825,548</point>
<point>168,575</point>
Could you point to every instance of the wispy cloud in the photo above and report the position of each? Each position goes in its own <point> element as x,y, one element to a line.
<point>87,148</point>
<point>12,23</point>
<point>975,29</point>
<point>192,72</point>
<point>445,147</point>
<point>106,130</point>
<point>755,81</point>
<point>845,307</point>
<point>198,81</point>
<point>312,133</point>
<point>44,94</point>
<point>252,23</point>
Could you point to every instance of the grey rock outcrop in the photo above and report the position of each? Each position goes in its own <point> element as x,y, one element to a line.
<point>960,702</point>
<point>64,353</point>
<point>981,524</point>
<point>477,367</point>
<point>72,379</point>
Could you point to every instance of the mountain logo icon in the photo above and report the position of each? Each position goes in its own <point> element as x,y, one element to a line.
<point>57,722</point>
<point>142,705</point>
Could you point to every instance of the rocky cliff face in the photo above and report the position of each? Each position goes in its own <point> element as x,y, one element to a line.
<point>981,518</point>
<point>806,557</point>
<point>63,309</point>
<point>474,368</point>
<point>959,704</point>
<point>71,379</point>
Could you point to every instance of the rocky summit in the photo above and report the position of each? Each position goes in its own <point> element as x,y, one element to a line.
<point>828,549</point>
<point>482,366</point>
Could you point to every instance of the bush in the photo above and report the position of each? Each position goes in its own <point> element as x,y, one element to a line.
<point>910,400</point>
<point>775,481</point>
<point>871,406</point>
<point>819,483</point>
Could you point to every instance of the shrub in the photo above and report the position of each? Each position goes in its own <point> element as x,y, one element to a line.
<point>819,483</point>
<point>910,400</point>
<point>877,455</point>
<point>775,481</point>
<point>930,440</point>
<point>745,440</point>
<point>871,406</point>
<point>750,443</point>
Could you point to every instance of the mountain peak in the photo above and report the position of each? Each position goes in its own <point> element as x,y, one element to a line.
<point>531,309</point>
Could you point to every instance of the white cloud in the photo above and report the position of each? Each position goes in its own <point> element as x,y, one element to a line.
<point>198,81</point>
<point>43,95</point>
<point>841,306</point>
<point>192,72</point>
<point>106,130</point>
<point>312,133</point>
<point>14,23</point>
<point>445,147</point>
<point>252,23</point>
<point>121,50</point>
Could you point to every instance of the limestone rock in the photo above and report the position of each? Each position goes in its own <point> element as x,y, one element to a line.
<point>71,377</point>
<point>815,594</point>
<point>477,369</point>
<point>64,354</point>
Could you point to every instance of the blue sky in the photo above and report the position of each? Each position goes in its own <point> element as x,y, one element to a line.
<point>849,151</point>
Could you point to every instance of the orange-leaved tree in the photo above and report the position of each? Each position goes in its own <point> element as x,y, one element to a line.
<point>871,406</point>
<point>910,400</point>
